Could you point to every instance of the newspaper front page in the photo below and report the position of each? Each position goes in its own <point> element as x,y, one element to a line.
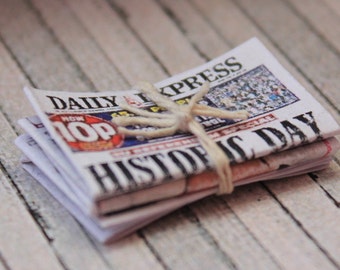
<point>114,225</point>
<point>104,164</point>
<point>295,161</point>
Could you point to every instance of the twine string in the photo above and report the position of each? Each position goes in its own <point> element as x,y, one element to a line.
<point>182,118</point>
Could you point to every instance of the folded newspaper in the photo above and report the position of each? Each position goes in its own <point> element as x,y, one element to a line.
<point>115,183</point>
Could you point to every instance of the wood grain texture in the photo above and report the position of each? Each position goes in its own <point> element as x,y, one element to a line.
<point>154,28</point>
<point>232,235</point>
<point>321,19</point>
<point>119,43</point>
<point>68,239</point>
<point>80,45</point>
<point>333,5</point>
<point>329,181</point>
<point>307,203</point>
<point>284,239</point>
<point>3,264</point>
<point>234,17</point>
<point>12,80</point>
<point>203,37</point>
<point>36,49</point>
<point>18,229</point>
<point>299,44</point>
<point>129,253</point>
<point>111,44</point>
<point>221,13</point>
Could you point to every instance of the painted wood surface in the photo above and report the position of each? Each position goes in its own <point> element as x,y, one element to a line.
<point>96,45</point>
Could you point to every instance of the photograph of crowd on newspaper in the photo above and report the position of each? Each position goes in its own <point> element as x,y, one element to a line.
<point>258,91</point>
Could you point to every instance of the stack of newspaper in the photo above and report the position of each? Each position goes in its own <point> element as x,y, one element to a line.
<point>114,184</point>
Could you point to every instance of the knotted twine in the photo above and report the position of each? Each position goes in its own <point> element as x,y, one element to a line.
<point>182,118</point>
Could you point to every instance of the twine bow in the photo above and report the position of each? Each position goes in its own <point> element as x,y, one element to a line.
<point>181,118</point>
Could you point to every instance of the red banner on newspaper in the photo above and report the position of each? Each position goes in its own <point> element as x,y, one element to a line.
<point>86,132</point>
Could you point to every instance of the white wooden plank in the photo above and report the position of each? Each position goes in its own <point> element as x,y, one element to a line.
<point>19,230</point>
<point>233,236</point>
<point>129,253</point>
<point>117,41</point>
<point>227,20</point>
<point>36,49</point>
<point>322,18</point>
<point>182,243</point>
<point>329,180</point>
<point>334,5</point>
<point>3,264</point>
<point>12,81</point>
<point>272,226</point>
<point>69,240</point>
<point>319,217</point>
<point>22,243</point>
<point>160,34</point>
<point>299,43</point>
<point>80,45</point>
<point>204,38</point>
<point>235,27</point>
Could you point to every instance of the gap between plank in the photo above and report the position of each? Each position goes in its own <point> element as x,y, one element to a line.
<point>299,224</point>
<point>311,27</point>
<point>309,80</point>
<point>82,75</point>
<point>124,17</point>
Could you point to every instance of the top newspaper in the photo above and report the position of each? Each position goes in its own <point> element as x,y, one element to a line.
<point>103,163</point>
